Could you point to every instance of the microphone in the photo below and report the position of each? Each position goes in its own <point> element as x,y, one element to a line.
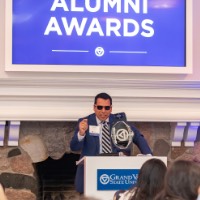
<point>120,116</point>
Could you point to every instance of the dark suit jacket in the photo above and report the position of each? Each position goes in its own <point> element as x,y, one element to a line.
<point>89,146</point>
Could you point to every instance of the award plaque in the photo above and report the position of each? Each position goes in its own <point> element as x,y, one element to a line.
<point>121,132</point>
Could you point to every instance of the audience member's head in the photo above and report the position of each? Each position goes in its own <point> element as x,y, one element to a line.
<point>150,179</point>
<point>87,198</point>
<point>182,181</point>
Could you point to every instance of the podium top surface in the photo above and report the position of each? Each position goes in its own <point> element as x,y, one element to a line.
<point>119,160</point>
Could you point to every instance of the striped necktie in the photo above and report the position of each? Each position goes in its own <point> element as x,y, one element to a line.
<point>106,144</point>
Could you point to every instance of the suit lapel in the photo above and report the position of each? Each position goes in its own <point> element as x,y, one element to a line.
<point>93,122</point>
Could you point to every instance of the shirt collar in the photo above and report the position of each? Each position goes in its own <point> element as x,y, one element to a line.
<point>100,122</point>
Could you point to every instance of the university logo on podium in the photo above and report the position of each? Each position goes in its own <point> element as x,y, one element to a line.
<point>116,179</point>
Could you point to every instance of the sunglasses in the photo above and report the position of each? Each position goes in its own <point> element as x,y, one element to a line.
<point>101,107</point>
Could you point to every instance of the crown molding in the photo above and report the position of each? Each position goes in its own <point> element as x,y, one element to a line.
<point>71,98</point>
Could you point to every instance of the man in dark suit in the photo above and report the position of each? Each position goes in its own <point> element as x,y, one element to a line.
<point>88,138</point>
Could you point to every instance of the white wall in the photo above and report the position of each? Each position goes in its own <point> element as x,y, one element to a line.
<point>67,96</point>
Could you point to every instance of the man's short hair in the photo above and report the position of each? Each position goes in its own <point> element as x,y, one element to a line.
<point>103,95</point>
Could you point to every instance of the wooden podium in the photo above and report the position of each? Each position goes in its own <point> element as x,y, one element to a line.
<point>93,164</point>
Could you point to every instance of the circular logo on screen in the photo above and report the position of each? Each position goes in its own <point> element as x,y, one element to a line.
<point>99,51</point>
<point>104,179</point>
